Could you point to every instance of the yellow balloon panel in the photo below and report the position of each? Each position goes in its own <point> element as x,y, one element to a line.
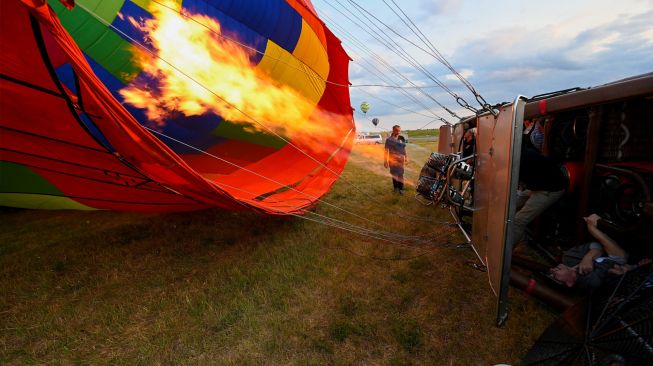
<point>285,68</point>
<point>311,52</point>
<point>146,4</point>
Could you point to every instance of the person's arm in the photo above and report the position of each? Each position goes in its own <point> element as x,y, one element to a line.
<point>622,269</point>
<point>586,264</point>
<point>611,247</point>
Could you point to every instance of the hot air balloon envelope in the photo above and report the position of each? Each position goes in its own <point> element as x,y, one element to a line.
<point>365,106</point>
<point>70,138</point>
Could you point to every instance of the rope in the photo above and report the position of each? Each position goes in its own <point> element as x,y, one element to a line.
<point>442,59</point>
<point>432,52</point>
<point>213,93</point>
<point>394,235</point>
<point>249,117</point>
<point>397,49</point>
<point>391,44</point>
<point>379,73</point>
<point>395,258</point>
<point>235,41</point>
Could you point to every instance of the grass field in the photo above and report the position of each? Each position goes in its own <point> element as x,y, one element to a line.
<point>423,133</point>
<point>430,133</point>
<point>225,288</point>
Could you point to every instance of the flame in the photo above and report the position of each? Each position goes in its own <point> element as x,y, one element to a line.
<point>197,70</point>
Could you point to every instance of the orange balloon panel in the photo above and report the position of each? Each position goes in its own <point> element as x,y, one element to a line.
<point>91,118</point>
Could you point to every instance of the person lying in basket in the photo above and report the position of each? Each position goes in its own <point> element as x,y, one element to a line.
<point>586,266</point>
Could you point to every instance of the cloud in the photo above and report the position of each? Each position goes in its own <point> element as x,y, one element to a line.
<point>466,73</point>
<point>513,60</point>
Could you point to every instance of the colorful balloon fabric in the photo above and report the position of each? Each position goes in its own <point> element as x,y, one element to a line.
<point>68,139</point>
<point>365,106</point>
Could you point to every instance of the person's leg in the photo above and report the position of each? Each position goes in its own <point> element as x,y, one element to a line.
<point>398,173</point>
<point>522,197</point>
<point>537,203</point>
<point>395,174</point>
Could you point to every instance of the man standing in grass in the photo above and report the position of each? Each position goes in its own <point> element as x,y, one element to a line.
<point>395,158</point>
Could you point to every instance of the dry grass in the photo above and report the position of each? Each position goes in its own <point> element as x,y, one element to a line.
<point>234,288</point>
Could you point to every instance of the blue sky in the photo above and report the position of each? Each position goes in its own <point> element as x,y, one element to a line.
<point>503,47</point>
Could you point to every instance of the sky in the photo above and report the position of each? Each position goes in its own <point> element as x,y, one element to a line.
<point>504,48</point>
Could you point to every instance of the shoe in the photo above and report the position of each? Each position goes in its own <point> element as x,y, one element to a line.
<point>401,192</point>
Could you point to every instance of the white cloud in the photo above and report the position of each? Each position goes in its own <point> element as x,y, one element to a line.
<point>509,47</point>
<point>595,46</point>
<point>517,73</point>
<point>466,73</point>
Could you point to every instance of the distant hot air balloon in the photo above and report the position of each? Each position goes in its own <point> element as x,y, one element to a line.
<point>78,89</point>
<point>375,121</point>
<point>365,106</point>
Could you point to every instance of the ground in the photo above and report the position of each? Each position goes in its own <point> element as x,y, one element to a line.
<point>223,288</point>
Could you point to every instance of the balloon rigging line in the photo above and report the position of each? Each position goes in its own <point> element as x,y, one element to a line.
<point>358,42</point>
<point>379,235</point>
<point>395,47</point>
<point>376,36</point>
<point>366,50</point>
<point>317,76</point>
<point>599,327</point>
<point>395,105</point>
<point>248,116</point>
<point>421,36</point>
<point>314,74</point>
<point>377,72</point>
<point>426,125</point>
<point>434,53</point>
<point>391,44</point>
<point>442,59</point>
<point>233,40</point>
<point>376,234</point>
<point>417,31</point>
<point>394,86</point>
<point>251,172</point>
<point>273,181</point>
<point>221,98</point>
<point>381,99</point>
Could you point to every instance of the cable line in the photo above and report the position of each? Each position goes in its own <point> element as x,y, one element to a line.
<point>250,118</point>
<point>398,50</point>
<point>380,74</point>
<point>391,44</point>
<point>432,52</point>
<point>415,29</point>
<point>377,234</point>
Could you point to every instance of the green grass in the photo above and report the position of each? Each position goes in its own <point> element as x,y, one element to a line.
<point>215,287</point>
<point>421,133</point>
<point>430,133</point>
